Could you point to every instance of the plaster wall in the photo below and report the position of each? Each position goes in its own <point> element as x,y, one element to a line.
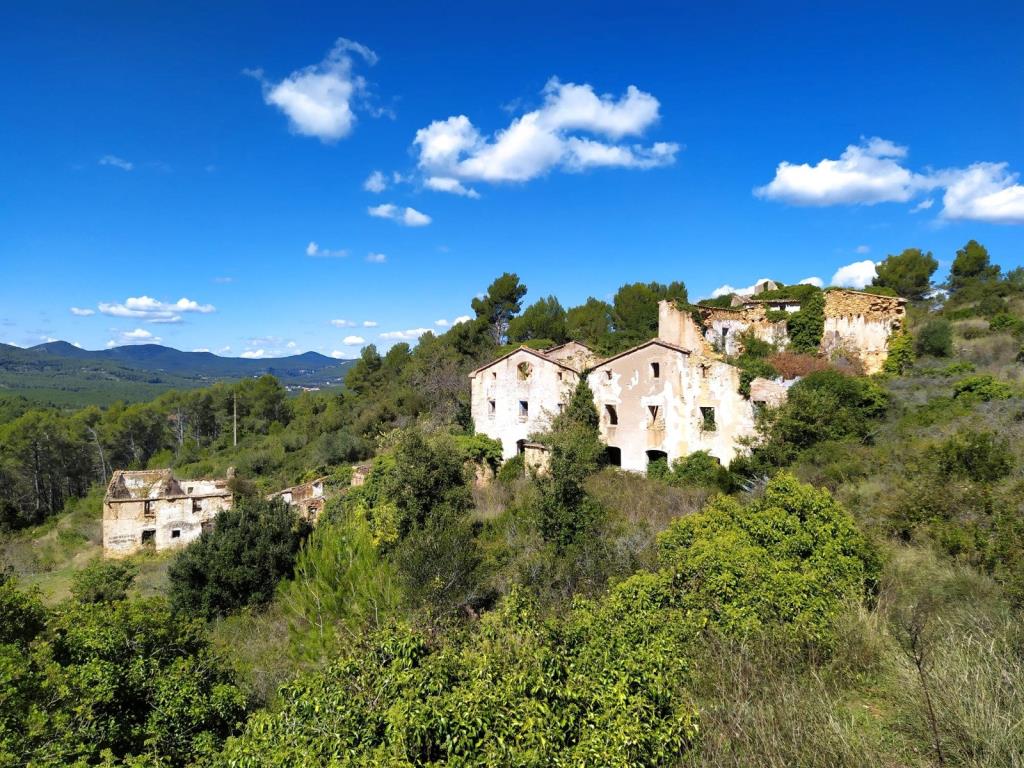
<point>498,390</point>
<point>663,412</point>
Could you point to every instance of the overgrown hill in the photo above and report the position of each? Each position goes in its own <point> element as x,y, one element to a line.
<point>63,374</point>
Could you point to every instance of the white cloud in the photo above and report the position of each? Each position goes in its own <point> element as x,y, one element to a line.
<point>924,205</point>
<point>862,249</point>
<point>376,258</point>
<point>866,173</point>
<point>448,184</point>
<point>815,281</point>
<point>410,335</point>
<point>116,162</point>
<point>222,350</point>
<point>254,354</point>
<point>201,349</point>
<point>152,311</point>
<point>375,182</point>
<point>136,336</point>
<point>410,217</point>
<point>313,250</point>
<point>351,341</point>
<point>291,345</point>
<point>318,99</point>
<point>856,275</point>
<point>725,290</point>
<point>461,319</point>
<point>337,354</point>
<point>453,150</point>
<point>983,192</point>
<point>441,323</point>
<point>369,323</point>
<point>80,312</point>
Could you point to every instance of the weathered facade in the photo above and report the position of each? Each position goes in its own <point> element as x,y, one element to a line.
<point>519,394</point>
<point>153,508</point>
<point>857,325</point>
<point>307,499</point>
<point>661,401</point>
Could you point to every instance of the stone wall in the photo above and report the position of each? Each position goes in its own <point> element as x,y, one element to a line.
<point>169,523</point>
<point>858,326</point>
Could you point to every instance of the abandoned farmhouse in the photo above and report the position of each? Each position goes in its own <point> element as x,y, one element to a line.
<point>152,508</point>
<point>677,393</point>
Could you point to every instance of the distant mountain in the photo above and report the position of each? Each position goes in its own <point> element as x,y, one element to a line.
<point>63,373</point>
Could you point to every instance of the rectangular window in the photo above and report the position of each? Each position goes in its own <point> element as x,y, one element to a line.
<point>608,374</point>
<point>655,370</point>
<point>653,411</point>
<point>176,533</point>
<point>524,410</point>
<point>492,408</point>
<point>613,415</point>
<point>148,538</point>
<point>707,415</point>
<point>197,506</point>
<point>148,509</point>
<point>559,375</point>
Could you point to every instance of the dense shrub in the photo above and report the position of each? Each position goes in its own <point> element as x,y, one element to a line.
<point>806,326</point>
<point>935,338</point>
<point>240,561</point>
<point>901,354</point>
<point>793,365</point>
<point>701,469</point>
<point>825,405</point>
<point>98,683</point>
<point>786,562</point>
<point>103,581</point>
<point>978,456</point>
<point>982,387</point>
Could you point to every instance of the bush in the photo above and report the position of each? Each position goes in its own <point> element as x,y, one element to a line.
<point>512,470</point>
<point>102,683</point>
<point>901,354</point>
<point>240,561</point>
<point>793,365</point>
<point>825,405</point>
<point>703,470</point>
<point>935,338</point>
<point>806,326</point>
<point>982,388</point>
<point>787,562</point>
<point>103,581</point>
<point>1006,322</point>
<point>978,456</point>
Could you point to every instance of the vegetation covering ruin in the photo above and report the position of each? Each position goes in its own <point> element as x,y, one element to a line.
<point>848,594</point>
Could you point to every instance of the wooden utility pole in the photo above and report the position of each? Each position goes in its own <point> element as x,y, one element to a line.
<point>235,419</point>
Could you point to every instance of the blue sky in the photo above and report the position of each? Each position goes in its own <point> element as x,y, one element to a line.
<point>197,172</point>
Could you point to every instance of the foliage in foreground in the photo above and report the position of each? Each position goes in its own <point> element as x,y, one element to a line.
<point>93,682</point>
<point>605,684</point>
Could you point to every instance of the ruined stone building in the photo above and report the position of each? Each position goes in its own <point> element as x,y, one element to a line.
<point>308,498</point>
<point>675,394</point>
<point>857,324</point>
<point>152,508</point>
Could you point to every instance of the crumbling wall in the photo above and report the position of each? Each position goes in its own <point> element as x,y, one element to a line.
<point>166,523</point>
<point>723,327</point>
<point>691,403</point>
<point>573,354</point>
<point>858,326</point>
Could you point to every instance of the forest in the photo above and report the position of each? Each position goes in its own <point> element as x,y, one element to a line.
<point>847,593</point>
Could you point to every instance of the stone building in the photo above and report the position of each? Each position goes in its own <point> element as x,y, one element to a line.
<point>153,508</point>
<point>307,499</point>
<point>857,324</point>
<point>662,401</point>
<point>518,394</point>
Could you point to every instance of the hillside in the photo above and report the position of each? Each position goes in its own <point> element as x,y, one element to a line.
<point>63,374</point>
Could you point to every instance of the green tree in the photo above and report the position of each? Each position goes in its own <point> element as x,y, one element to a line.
<point>544,319</point>
<point>908,273</point>
<point>635,310</point>
<point>501,303</point>
<point>590,323</point>
<point>935,338</point>
<point>972,264</point>
<point>240,561</point>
